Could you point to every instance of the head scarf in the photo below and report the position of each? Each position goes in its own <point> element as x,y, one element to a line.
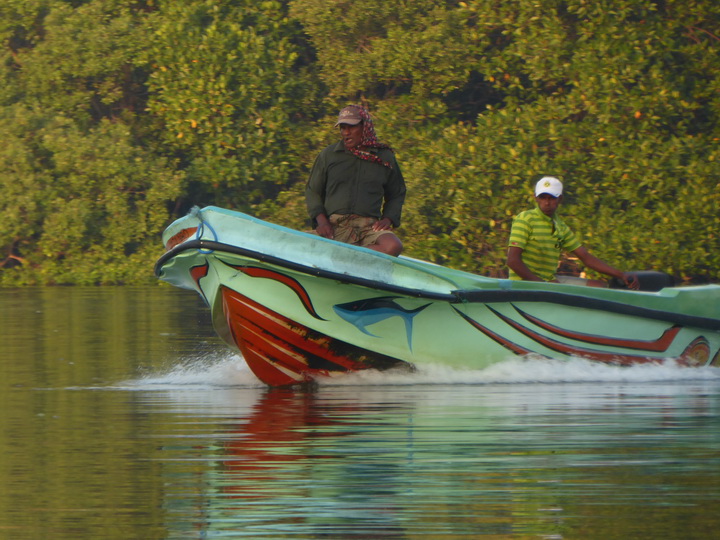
<point>369,140</point>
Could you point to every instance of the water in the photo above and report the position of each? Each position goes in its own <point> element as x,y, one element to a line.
<point>123,416</point>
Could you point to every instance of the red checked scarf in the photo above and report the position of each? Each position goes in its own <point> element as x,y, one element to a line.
<point>369,140</point>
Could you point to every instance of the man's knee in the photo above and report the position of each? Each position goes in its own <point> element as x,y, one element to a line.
<point>388,243</point>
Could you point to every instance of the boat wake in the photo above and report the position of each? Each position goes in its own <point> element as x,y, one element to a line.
<point>220,370</point>
<point>230,371</point>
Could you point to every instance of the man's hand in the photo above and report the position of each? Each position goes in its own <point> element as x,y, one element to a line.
<point>324,228</point>
<point>631,280</point>
<point>384,224</point>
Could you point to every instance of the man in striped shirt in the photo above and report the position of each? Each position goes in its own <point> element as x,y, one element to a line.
<point>538,237</point>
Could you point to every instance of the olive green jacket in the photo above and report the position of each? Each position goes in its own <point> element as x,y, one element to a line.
<point>341,183</point>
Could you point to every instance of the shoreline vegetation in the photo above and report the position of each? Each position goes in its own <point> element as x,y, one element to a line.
<point>118,116</point>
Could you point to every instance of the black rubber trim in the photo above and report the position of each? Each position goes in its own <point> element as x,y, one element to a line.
<point>454,297</point>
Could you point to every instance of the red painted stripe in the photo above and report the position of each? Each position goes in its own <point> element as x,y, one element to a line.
<point>180,237</point>
<point>659,345</point>
<point>199,272</point>
<point>513,347</point>
<point>599,356</point>
<point>278,350</point>
<point>286,331</point>
<point>292,283</point>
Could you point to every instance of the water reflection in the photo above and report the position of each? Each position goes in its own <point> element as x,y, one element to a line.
<point>495,460</point>
<point>282,467</point>
<point>124,417</point>
<point>66,336</point>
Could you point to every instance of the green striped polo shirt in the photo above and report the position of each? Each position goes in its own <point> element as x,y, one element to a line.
<point>542,240</point>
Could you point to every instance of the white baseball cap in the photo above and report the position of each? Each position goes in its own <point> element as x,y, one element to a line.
<point>550,185</point>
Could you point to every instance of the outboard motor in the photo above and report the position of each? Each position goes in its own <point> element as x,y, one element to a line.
<point>649,281</point>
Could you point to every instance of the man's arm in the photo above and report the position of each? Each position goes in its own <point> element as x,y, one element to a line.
<point>315,190</point>
<point>394,195</point>
<point>590,260</point>
<point>516,264</point>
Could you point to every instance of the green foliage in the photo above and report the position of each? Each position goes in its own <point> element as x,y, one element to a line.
<point>619,101</point>
<point>230,88</point>
<point>84,207</point>
<point>75,60</point>
<point>388,48</point>
<point>84,200</point>
<point>117,115</point>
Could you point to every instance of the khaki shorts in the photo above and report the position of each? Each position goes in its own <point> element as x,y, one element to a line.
<point>356,230</point>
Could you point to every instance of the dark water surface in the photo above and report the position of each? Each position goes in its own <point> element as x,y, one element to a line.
<point>124,417</point>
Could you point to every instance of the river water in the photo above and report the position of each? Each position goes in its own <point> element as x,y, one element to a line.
<point>123,417</point>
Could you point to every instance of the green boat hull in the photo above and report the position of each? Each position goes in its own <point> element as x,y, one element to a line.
<point>298,307</point>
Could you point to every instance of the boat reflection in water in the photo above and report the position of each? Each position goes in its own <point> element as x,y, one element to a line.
<point>299,306</point>
<point>398,461</point>
<point>294,438</point>
<point>293,463</point>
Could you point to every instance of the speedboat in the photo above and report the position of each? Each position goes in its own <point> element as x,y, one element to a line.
<point>299,307</point>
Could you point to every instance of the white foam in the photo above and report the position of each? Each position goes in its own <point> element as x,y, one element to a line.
<point>210,371</point>
<point>230,370</point>
<point>523,371</point>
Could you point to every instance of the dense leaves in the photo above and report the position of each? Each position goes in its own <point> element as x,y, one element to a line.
<point>88,206</point>
<point>230,88</point>
<point>118,115</point>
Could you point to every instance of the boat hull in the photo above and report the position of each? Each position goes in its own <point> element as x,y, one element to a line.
<point>299,307</point>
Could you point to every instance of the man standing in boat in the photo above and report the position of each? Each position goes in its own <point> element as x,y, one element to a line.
<point>356,191</point>
<point>538,236</point>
